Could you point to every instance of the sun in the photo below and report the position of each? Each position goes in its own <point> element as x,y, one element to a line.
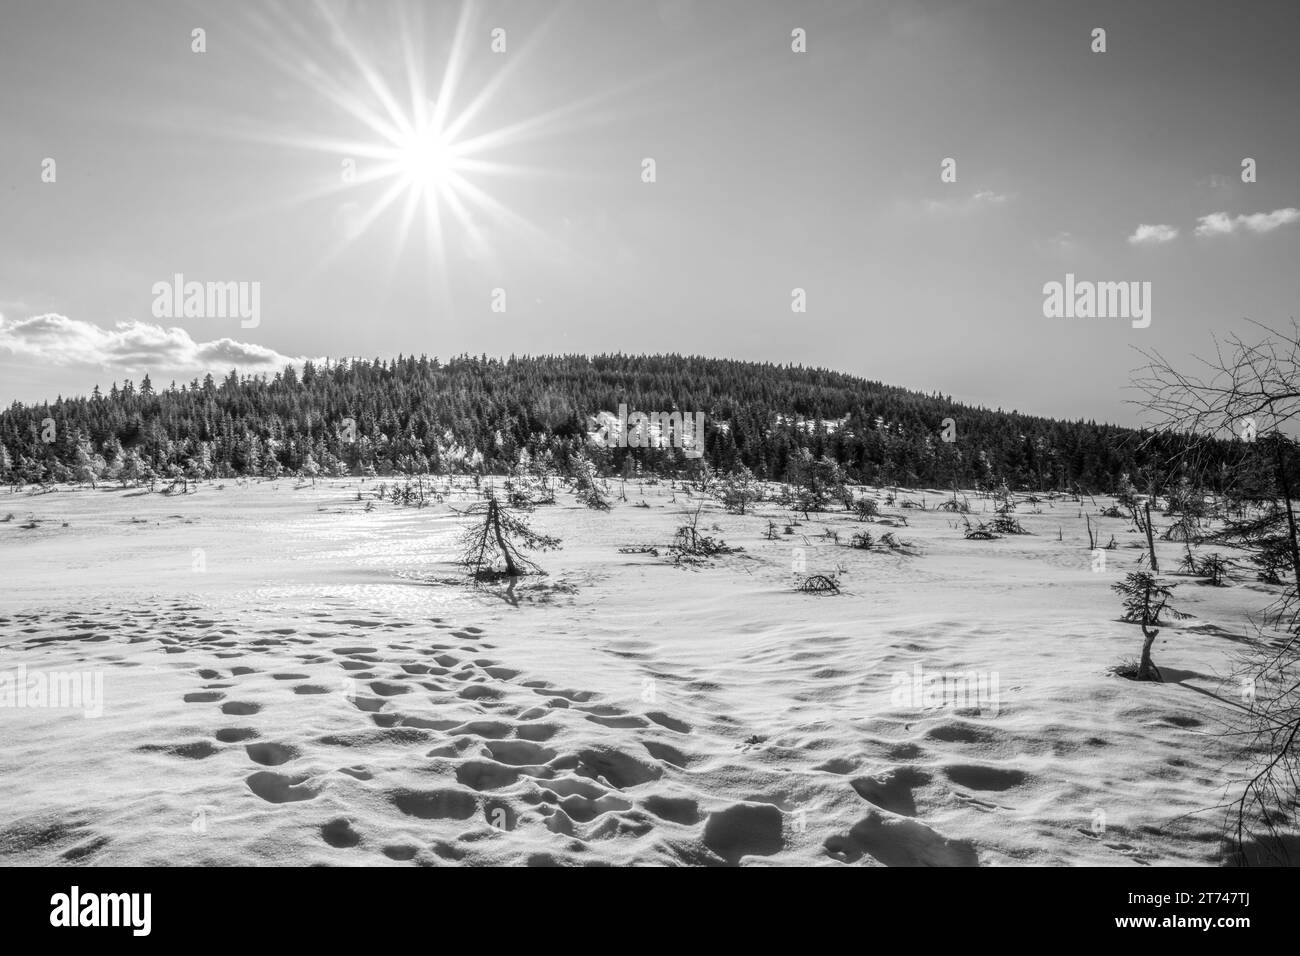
<point>421,133</point>
<point>426,162</point>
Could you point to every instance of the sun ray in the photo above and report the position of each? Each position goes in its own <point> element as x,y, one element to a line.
<point>335,186</point>
<point>362,226</point>
<point>497,210</point>
<point>487,167</point>
<point>368,72</point>
<point>518,58</point>
<point>416,82</point>
<point>455,66</point>
<point>436,278</point>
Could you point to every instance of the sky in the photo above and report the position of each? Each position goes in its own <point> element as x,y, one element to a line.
<point>440,178</point>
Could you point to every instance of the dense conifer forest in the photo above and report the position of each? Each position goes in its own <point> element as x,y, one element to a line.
<point>422,415</point>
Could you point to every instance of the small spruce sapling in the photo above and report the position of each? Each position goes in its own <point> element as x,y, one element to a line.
<point>494,547</point>
<point>1145,599</point>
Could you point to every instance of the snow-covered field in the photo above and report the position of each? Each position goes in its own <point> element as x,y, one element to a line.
<point>290,678</point>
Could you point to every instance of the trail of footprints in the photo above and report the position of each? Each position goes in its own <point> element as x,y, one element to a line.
<point>488,736</point>
<point>499,752</point>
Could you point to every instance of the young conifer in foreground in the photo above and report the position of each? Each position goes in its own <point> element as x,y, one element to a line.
<point>494,546</point>
<point>1145,599</point>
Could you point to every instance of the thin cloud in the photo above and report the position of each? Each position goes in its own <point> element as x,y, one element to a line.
<point>1215,181</point>
<point>1221,224</point>
<point>1146,234</point>
<point>981,199</point>
<point>135,347</point>
<point>1061,245</point>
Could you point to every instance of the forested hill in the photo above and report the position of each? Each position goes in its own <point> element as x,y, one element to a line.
<point>422,414</point>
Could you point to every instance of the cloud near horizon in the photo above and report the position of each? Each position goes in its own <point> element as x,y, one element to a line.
<point>1221,224</point>
<point>131,347</point>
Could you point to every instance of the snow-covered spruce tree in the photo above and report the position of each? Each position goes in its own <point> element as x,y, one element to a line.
<point>86,465</point>
<point>310,469</point>
<point>588,487</point>
<point>820,481</point>
<point>29,471</point>
<point>493,545</point>
<point>135,469</point>
<point>866,508</point>
<point>737,491</point>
